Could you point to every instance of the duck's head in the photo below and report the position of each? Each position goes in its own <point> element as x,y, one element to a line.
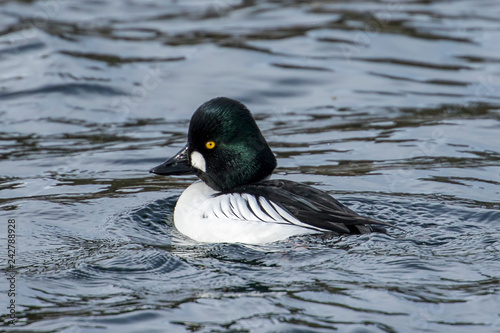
<point>225,147</point>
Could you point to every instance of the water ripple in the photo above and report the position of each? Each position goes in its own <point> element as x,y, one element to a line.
<point>78,89</point>
<point>391,107</point>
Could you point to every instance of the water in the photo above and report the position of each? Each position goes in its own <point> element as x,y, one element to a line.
<point>392,107</point>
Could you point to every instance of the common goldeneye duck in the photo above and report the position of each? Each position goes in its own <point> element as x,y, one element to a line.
<point>235,202</point>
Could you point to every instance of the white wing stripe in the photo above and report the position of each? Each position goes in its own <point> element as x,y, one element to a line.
<point>254,206</point>
<point>288,217</point>
<point>269,210</point>
<point>233,203</point>
<point>247,207</point>
<point>217,210</point>
<point>242,207</point>
<point>284,214</point>
<point>225,206</point>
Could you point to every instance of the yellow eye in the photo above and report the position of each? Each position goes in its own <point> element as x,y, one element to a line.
<point>210,145</point>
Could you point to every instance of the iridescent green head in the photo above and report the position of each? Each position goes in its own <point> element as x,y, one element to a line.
<point>225,147</point>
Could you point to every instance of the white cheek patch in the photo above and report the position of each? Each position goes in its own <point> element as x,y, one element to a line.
<point>198,161</point>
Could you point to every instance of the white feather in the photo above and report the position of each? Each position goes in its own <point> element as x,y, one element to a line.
<point>269,210</point>
<point>291,218</point>
<point>225,204</point>
<point>254,205</point>
<point>242,206</point>
<point>233,200</point>
<point>198,161</point>
<point>206,217</point>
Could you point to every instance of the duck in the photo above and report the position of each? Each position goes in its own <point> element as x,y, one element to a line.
<point>235,200</point>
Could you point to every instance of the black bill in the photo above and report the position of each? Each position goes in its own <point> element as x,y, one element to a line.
<point>176,165</point>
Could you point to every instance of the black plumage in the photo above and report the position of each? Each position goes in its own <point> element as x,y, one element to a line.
<point>311,206</point>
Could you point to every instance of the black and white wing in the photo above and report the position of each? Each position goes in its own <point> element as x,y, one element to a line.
<point>283,201</point>
<point>249,207</point>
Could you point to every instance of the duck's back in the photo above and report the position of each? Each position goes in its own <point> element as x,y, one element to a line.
<point>311,206</point>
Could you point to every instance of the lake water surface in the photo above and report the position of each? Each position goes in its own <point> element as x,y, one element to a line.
<point>393,107</point>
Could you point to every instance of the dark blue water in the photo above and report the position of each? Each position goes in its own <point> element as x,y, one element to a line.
<point>392,107</point>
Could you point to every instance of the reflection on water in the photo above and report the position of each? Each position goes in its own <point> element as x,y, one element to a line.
<point>393,107</point>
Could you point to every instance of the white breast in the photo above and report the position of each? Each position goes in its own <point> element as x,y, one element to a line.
<point>233,218</point>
